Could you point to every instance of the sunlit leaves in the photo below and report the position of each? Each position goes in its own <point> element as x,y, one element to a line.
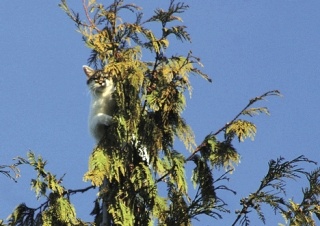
<point>185,134</point>
<point>219,154</point>
<point>153,43</point>
<point>54,184</point>
<point>45,180</point>
<point>37,163</point>
<point>256,111</point>
<point>121,214</point>
<point>178,172</point>
<point>141,179</point>
<point>160,208</point>
<point>225,155</point>
<point>150,99</point>
<point>56,210</point>
<point>242,129</point>
<point>100,43</point>
<point>99,167</point>
<point>60,212</point>
<point>177,70</point>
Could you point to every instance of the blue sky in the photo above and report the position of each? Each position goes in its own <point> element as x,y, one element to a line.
<point>247,47</point>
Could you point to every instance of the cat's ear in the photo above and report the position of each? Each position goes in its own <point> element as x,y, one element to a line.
<point>88,71</point>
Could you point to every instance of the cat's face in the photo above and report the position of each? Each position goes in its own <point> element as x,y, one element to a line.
<point>97,80</point>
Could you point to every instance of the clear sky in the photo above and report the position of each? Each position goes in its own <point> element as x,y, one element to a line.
<point>248,47</point>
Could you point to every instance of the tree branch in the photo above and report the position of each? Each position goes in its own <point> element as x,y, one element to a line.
<point>71,191</point>
<point>92,24</point>
<point>251,102</point>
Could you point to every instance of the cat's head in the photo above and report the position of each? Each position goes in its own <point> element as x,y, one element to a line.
<point>97,80</point>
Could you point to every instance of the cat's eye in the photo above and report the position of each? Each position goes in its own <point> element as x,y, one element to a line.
<point>99,78</point>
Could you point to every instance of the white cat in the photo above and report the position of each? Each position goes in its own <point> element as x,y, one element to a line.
<point>102,103</point>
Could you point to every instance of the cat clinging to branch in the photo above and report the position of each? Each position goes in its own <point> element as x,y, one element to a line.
<point>102,103</point>
<point>102,107</point>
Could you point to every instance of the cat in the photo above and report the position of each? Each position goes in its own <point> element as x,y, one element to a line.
<point>102,108</point>
<point>102,103</point>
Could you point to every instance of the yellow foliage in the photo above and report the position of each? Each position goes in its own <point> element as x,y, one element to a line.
<point>61,212</point>
<point>99,167</point>
<point>54,185</point>
<point>242,129</point>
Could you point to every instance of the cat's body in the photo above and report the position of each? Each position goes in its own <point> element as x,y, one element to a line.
<point>102,108</point>
<point>102,103</point>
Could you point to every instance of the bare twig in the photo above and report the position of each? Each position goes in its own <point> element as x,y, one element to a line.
<point>92,23</point>
<point>71,191</point>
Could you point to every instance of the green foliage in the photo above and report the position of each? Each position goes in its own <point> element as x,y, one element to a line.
<point>56,210</point>
<point>150,99</point>
<point>203,177</point>
<point>302,213</point>
<point>99,167</point>
<point>219,153</point>
<point>273,188</point>
<point>60,212</point>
